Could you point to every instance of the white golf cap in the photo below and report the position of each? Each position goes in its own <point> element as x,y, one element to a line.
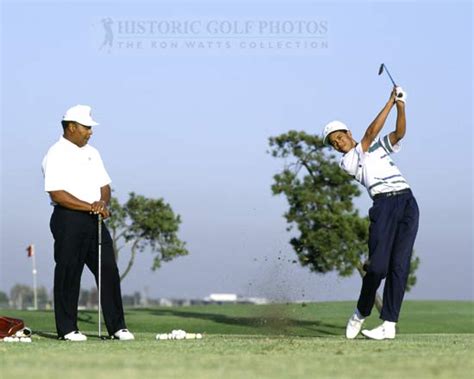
<point>81,114</point>
<point>333,126</point>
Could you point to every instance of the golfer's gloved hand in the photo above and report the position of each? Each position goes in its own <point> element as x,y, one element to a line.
<point>401,95</point>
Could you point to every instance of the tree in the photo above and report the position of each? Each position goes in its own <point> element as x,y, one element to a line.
<point>131,300</point>
<point>22,296</point>
<point>87,298</point>
<point>144,223</point>
<point>332,236</point>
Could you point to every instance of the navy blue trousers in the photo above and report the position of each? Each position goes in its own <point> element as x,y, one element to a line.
<point>76,245</point>
<point>392,233</point>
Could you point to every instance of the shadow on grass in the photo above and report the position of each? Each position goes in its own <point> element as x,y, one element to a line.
<point>86,317</point>
<point>49,335</point>
<point>268,321</point>
<point>54,336</point>
<point>263,324</point>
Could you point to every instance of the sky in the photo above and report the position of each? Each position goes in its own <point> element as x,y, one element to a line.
<point>187,95</point>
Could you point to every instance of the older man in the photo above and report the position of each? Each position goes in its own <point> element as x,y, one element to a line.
<point>79,188</point>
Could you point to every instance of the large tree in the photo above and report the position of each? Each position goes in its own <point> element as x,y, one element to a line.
<point>143,223</point>
<point>330,234</point>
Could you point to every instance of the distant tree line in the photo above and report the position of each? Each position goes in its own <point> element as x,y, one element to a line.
<point>22,297</point>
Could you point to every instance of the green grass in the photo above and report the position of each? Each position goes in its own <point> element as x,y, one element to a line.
<point>435,340</point>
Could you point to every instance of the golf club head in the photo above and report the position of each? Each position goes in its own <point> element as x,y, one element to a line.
<point>381,69</point>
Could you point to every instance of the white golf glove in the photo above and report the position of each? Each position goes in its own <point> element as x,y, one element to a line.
<point>401,94</point>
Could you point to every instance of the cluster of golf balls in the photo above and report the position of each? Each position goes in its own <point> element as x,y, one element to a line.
<point>17,339</point>
<point>178,334</point>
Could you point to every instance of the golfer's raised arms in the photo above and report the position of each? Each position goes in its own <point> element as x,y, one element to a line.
<point>401,124</point>
<point>376,126</point>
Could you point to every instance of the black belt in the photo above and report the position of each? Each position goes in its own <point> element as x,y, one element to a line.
<point>390,194</point>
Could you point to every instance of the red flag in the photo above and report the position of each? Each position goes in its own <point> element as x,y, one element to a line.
<point>31,250</point>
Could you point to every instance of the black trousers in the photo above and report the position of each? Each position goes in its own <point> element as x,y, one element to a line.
<point>75,244</point>
<point>392,233</point>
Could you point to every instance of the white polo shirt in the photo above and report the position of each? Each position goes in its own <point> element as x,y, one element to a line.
<point>77,170</point>
<point>375,169</point>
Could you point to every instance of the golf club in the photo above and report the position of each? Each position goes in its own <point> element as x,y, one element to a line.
<point>383,68</point>
<point>99,279</point>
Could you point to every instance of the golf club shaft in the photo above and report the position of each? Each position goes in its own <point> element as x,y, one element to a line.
<point>99,269</point>
<point>390,76</point>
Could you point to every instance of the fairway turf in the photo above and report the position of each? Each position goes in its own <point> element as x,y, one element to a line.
<point>435,340</point>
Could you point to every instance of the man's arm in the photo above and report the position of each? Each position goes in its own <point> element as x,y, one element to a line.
<point>101,205</point>
<point>105,194</point>
<point>401,124</point>
<point>66,200</point>
<point>376,126</point>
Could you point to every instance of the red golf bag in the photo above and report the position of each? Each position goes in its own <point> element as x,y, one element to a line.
<point>9,326</point>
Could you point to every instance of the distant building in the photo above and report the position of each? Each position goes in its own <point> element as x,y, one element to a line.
<point>256,300</point>
<point>222,298</point>
<point>214,298</point>
<point>231,298</point>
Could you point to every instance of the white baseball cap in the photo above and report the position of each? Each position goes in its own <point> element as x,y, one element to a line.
<point>333,126</point>
<point>81,114</point>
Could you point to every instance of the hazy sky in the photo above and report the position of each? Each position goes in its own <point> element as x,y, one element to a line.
<point>187,95</point>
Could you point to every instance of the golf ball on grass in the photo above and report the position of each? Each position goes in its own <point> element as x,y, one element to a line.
<point>17,339</point>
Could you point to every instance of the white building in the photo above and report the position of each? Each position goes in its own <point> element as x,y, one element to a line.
<point>222,298</point>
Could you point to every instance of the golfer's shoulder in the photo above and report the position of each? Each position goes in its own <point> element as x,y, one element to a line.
<point>56,149</point>
<point>381,147</point>
<point>376,146</point>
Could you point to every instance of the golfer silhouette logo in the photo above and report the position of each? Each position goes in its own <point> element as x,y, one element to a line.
<point>109,34</point>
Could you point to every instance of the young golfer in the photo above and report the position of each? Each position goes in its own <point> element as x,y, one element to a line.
<point>393,216</point>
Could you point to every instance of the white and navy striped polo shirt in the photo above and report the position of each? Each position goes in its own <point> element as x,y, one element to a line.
<point>375,169</point>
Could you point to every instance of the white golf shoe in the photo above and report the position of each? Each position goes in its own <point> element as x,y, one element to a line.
<point>386,331</point>
<point>124,335</point>
<point>354,325</point>
<point>75,336</point>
